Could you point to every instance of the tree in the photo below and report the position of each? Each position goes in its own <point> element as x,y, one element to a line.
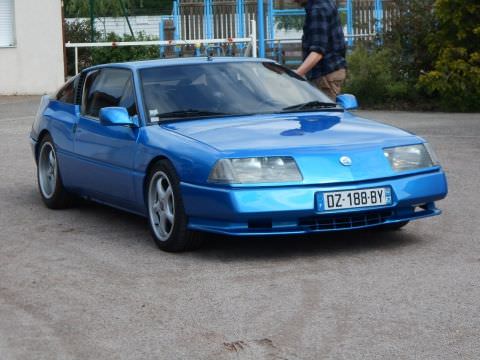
<point>102,8</point>
<point>81,8</point>
<point>409,37</point>
<point>455,77</point>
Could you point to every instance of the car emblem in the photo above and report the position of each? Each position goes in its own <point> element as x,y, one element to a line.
<point>346,161</point>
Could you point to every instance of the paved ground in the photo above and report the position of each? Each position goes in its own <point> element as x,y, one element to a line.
<point>88,283</point>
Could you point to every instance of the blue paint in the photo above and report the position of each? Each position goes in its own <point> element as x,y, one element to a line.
<point>379,18</point>
<point>271,24</point>
<point>261,29</point>
<point>240,6</point>
<point>350,39</point>
<point>207,19</point>
<point>176,23</point>
<point>347,101</point>
<point>116,116</point>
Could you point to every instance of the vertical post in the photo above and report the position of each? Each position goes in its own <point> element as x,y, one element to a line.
<point>176,23</point>
<point>207,19</point>
<point>176,20</point>
<point>253,38</point>
<point>240,21</point>
<point>65,69</point>
<point>378,18</point>
<point>92,21</point>
<point>271,23</point>
<point>161,36</point>
<point>197,49</point>
<point>349,23</point>
<point>261,28</point>
<point>76,60</point>
<point>124,10</point>
<point>279,53</point>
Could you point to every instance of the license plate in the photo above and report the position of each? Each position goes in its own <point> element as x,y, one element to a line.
<point>337,200</point>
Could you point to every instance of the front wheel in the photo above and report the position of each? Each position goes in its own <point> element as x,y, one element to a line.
<point>166,214</point>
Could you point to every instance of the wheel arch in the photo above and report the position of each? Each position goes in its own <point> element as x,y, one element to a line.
<point>42,134</point>
<point>148,170</point>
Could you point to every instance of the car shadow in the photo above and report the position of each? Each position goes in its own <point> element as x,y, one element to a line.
<point>347,242</point>
<point>229,248</point>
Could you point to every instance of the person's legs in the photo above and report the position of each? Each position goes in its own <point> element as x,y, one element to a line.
<point>331,84</point>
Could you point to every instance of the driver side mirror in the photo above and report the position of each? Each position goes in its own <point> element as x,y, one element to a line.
<point>115,116</point>
<point>347,101</point>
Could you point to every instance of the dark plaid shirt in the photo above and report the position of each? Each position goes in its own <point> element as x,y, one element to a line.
<point>323,34</point>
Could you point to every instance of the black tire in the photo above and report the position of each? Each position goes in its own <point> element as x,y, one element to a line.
<point>55,196</point>
<point>393,226</point>
<point>173,235</point>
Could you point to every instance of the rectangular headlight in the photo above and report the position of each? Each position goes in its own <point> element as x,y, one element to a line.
<point>273,169</point>
<point>410,157</point>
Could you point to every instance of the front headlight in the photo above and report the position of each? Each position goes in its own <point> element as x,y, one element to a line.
<point>411,157</point>
<point>274,169</point>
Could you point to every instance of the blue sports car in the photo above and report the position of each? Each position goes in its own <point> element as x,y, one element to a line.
<point>236,146</point>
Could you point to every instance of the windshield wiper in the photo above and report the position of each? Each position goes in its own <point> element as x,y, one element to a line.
<point>310,105</point>
<point>189,113</point>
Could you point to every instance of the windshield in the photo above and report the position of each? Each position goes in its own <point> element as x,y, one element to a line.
<point>236,88</point>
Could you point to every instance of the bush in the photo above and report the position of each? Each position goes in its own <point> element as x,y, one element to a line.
<point>387,75</point>
<point>455,78</point>
<point>409,37</point>
<point>373,78</point>
<point>79,31</point>
<point>105,55</point>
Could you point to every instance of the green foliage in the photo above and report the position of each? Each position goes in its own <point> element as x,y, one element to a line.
<point>81,8</point>
<point>373,78</point>
<point>455,78</point>
<point>104,55</point>
<point>102,8</point>
<point>294,22</point>
<point>79,31</point>
<point>409,38</point>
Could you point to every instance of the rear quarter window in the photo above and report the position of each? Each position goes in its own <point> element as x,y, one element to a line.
<point>67,92</point>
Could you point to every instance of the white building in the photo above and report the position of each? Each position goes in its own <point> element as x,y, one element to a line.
<point>31,46</point>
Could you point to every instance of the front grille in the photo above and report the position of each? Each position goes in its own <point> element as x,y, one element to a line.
<point>344,221</point>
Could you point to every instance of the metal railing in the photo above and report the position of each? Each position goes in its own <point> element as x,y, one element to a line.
<point>250,49</point>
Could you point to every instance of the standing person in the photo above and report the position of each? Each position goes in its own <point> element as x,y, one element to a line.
<point>323,46</point>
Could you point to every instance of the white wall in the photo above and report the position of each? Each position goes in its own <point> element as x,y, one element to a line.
<point>149,25</point>
<point>35,65</point>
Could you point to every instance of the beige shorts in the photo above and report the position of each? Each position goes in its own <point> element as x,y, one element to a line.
<point>331,84</point>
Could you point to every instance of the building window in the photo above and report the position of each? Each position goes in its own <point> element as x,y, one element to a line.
<point>7,32</point>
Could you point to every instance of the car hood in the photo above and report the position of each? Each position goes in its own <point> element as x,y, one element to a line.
<point>315,140</point>
<point>307,130</point>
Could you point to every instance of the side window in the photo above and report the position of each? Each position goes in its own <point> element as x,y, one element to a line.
<point>67,93</point>
<point>128,99</point>
<point>108,87</point>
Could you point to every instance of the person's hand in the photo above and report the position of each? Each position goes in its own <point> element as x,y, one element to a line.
<point>299,73</point>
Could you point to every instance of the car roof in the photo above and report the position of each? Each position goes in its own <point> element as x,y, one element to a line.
<point>145,64</point>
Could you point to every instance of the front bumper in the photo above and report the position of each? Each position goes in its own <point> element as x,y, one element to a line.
<point>293,209</point>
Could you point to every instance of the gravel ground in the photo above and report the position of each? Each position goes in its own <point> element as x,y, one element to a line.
<point>88,283</point>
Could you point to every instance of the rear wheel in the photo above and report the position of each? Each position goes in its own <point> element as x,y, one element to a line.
<point>166,214</point>
<point>50,183</point>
